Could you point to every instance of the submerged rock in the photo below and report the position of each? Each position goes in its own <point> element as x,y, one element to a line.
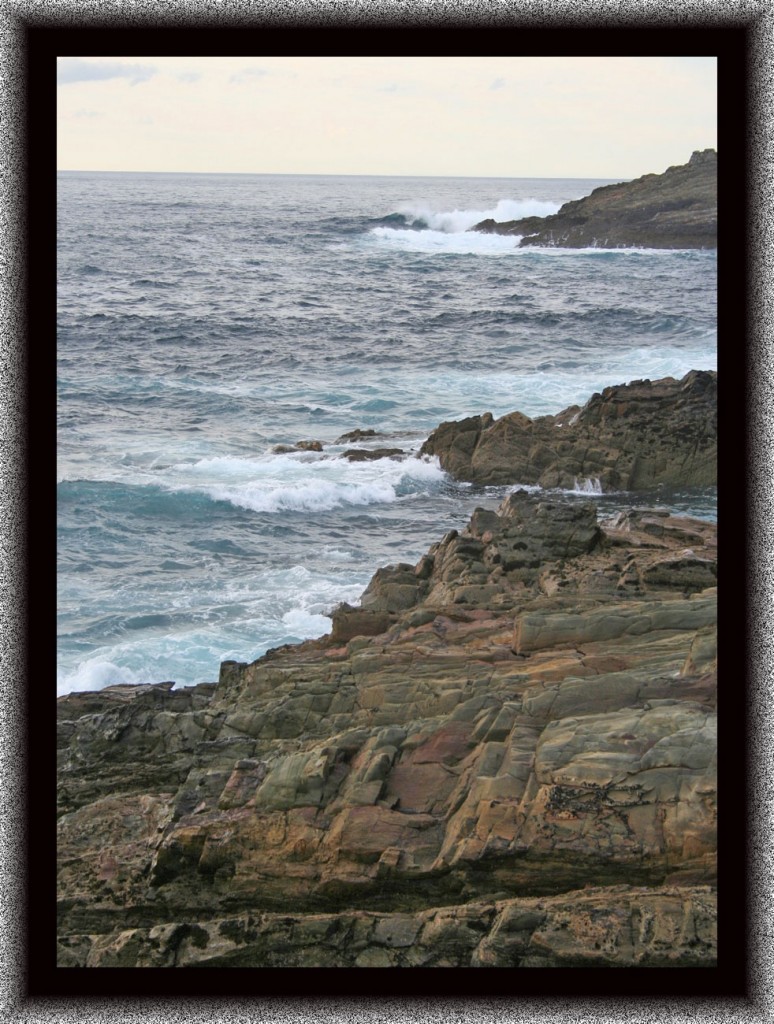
<point>630,437</point>
<point>504,757</point>
<point>299,446</point>
<point>357,435</point>
<point>371,454</point>
<point>673,210</point>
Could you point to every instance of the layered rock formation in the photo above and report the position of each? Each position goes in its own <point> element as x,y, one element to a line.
<point>504,757</point>
<point>673,210</point>
<point>630,437</point>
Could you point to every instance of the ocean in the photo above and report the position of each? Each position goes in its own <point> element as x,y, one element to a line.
<point>204,320</point>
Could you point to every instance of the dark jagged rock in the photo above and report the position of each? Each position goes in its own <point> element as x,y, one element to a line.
<point>357,435</point>
<point>371,454</point>
<point>673,210</point>
<point>299,446</point>
<point>504,757</point>
<point>630,437</point>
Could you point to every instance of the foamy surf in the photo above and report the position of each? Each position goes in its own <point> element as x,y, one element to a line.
<point>308,483</point>
<point>431,241</point>
<point>275,608</point>
<point>454,221</point>
<point>419,228</point>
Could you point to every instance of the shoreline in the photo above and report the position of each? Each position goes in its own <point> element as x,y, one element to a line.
<point>596,457</point>
<point>527,711</point>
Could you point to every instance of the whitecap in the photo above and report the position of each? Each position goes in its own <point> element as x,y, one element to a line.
<point>448,231</point>
<point>298,482</point>
<point>306,625</point>
<point>456,221</point>
<point>95,674</point>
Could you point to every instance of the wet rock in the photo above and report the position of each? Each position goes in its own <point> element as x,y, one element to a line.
<point>630,437</point>
<point>621,926</point>
<point>371,454</point>
<point>299,446</point>
<point>357,435</point>
<point>349,622</point>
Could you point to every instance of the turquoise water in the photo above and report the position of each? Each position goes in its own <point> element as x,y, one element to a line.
<point>204,319</point>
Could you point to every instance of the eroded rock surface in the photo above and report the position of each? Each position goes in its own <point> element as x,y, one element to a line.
<point>504,757</point>
<point>630,437</point>
<point>673,210</point>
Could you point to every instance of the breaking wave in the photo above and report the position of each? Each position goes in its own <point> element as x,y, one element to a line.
<point>419,228</point>
<point>297,483</point>
<point>421,217</point>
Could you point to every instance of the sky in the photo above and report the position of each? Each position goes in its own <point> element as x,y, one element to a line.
<point>564,117</point>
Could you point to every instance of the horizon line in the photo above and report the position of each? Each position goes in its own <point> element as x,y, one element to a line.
<point>347,174</point>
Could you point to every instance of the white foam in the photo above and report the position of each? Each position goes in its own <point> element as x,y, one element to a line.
<point>95,674</point>
<point>296,481</point>
<point>300,482</point>
<point>239,620</point>
<point>600,249</point>
<point>335,555</point>
<point>589,485</point>
<point>456,221</point>
<point>306,625</point>
<point>449,230</point>
<point>530,488</point>
<point>433,241</point>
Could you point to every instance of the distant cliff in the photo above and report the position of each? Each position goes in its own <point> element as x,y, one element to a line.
<point>673,210</point>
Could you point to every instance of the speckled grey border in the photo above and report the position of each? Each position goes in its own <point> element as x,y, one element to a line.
<point>16,1007</point>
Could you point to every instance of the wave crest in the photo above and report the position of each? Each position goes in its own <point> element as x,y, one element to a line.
<point>423,217</point>
<point>291,483</point>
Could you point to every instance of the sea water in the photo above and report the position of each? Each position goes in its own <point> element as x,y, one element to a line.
<point>205,319</point>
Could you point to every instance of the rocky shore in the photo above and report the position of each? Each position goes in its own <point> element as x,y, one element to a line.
<point>504,756</point>
<point>630,437</point>
<point>673,210</point>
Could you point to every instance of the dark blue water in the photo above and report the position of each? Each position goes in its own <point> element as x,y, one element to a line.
<point>204,319</point>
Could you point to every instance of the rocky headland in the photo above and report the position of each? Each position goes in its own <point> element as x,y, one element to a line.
<point>504,756</point>
<point>673,210</point>
<point>631,437</point>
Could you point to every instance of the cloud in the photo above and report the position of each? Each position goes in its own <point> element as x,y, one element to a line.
<point>365,115</point>
<point>71,70</point>
<point>245,76</point>
<point>190,76</point>
<point>398,88</point>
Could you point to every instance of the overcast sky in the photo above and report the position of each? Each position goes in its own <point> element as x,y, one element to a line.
<point>595,117</point>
